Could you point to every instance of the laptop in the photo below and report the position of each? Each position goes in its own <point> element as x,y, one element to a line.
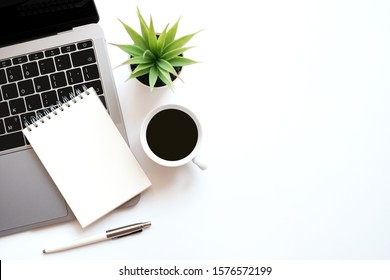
<point>50,49</point>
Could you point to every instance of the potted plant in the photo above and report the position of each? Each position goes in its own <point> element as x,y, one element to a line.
<point>155,59</point>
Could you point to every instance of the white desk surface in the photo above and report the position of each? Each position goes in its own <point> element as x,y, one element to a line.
<point>294,100</point>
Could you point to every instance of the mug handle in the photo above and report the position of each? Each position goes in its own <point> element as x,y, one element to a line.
<point>201,165</point>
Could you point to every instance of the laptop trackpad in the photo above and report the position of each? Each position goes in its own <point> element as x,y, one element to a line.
<point>27,193</point>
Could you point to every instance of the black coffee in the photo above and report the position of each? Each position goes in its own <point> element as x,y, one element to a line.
<point>172,134</point>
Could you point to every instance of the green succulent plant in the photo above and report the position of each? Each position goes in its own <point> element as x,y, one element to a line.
<point>156,55</point>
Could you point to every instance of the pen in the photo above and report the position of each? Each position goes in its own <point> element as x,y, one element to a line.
<point>109,234</point>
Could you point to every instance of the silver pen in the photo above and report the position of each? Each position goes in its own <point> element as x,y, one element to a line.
<point>109,234</point>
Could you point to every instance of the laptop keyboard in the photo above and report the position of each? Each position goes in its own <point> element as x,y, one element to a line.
<point>33,83</point>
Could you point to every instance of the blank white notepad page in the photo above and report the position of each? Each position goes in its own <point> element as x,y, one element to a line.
<point>87,157</point>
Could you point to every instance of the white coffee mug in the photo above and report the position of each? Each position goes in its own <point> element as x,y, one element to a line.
<point>171,136</point>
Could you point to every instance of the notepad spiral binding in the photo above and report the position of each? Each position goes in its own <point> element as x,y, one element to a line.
<point>40,118</point>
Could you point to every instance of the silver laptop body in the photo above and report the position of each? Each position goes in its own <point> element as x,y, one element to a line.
<point>28,197</point>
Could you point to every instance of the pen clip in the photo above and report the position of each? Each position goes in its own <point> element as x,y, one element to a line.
<point>125,231</point>
<point>130,233</point>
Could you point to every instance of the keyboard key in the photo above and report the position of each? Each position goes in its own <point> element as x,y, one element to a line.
<point>103,100</point>
<point>74,76</point>
<point>43,112</point>
<point>33,102</point>
<point>84,45</point>
<point>35,56</point>
<point>2,128</point>
<point>64,93</point>
<point>19,60</point>
<point>10,141</point>
<point>17,106</point>
<point>97,86</point>
<point>91,72</point>
<point>46,66</point>
<point>52,52</point>
<point>14,73</point>
<point>58,80</point>
<point>78,88</point>
<point>28,118</point>
<point>5,63</point>
<point>83,57</point>
<point>30,70</point>
<point>12,124</point>
<point>69,48</point>
<point>3,78</point>
<point>4,109</point>
<point>63,62</point>
<point>26,87</point>
<point>42,83</point>
<point>9,91</point>
<point>49,98</point>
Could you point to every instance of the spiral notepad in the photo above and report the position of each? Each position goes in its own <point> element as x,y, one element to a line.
<point>87,157</point>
